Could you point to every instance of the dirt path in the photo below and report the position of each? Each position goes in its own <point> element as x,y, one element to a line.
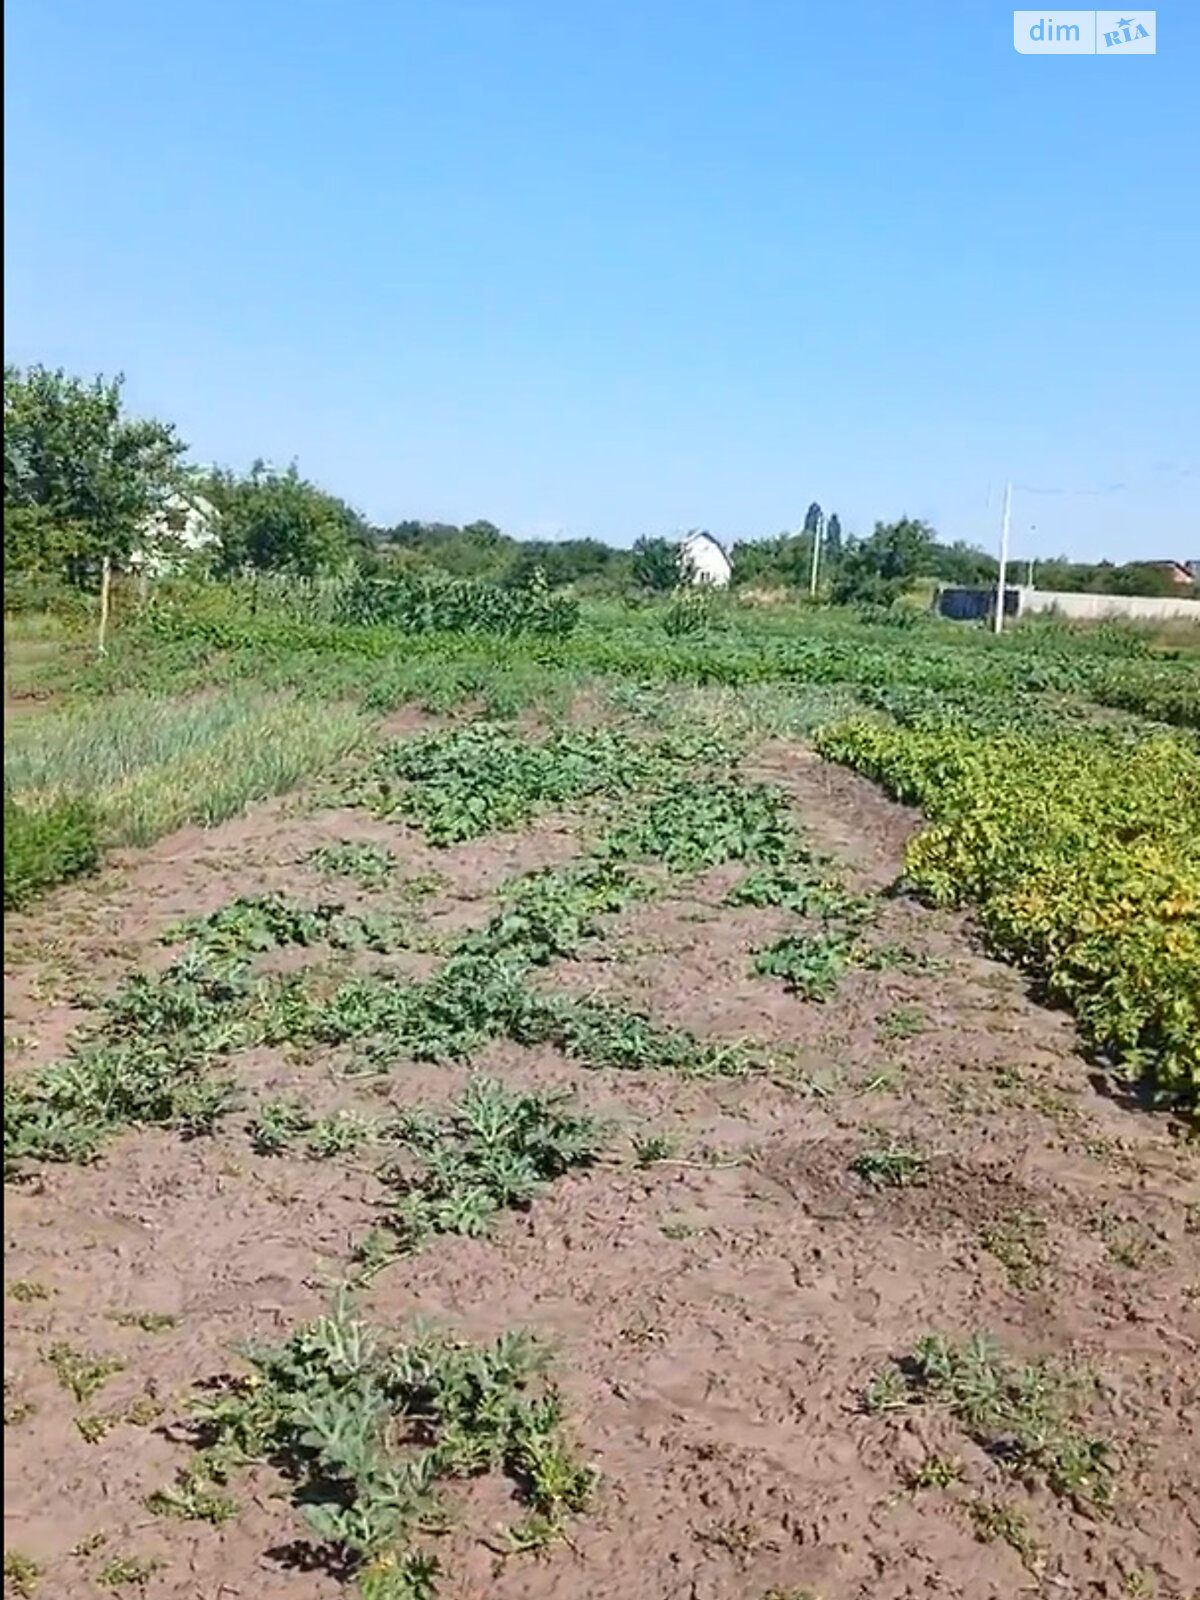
<point>715,1317</point>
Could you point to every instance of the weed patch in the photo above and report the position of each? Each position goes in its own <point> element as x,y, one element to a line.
<point>811,965</point>
<point>891,1166</point>
<point>147,1064</point>
<point>21,1575</point>
<point>483,777</point>
<point>1022,1415</point>
<point>251,924</point>
<point>1021,1245</point>
<point>81,1372</point>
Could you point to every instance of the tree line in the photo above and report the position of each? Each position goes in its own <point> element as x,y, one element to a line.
<point>88,487</point>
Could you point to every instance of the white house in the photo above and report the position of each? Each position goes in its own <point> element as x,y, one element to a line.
<point>183,526</point>
<point>702,560</point>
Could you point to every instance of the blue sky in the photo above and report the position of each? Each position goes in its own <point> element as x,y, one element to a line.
<point>611,267</point>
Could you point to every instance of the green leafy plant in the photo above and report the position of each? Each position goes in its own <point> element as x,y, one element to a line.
<point>370,865</point>
<point>147,1321</point>
<point>45,846</point>
<point>277,1125</point>
<point>936,1472</point>
<point>691,823</point>
<point>81,1372</point>
<point>21,1575</point>
<point>903,1022</point>
<point>811,966</point>
<point>255,923</point>
<point>123,1571</point>
<point>494,1150</point>
<point>367,1430</point>
<point>997,1519</point>
<point>1081,855</point>
<point>148,1063</point>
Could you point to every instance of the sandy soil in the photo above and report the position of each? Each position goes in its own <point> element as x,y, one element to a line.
<point>714,1318</point>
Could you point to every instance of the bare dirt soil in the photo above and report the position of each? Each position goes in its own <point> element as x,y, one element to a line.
<point>714,1317</point>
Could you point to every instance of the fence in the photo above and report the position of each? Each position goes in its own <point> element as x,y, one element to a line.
<point>973,605</point>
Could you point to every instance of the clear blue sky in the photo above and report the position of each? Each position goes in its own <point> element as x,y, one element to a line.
<point>622,266</point>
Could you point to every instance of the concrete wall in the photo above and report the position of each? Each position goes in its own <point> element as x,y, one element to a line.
<point>974,605</point>
<point>1094,607</point>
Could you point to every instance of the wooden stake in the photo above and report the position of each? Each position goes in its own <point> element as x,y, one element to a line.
<point>105,587</point>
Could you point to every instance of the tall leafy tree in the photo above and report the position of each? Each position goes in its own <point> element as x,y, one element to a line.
<point>82,480</point>
<point>812,518</point>
<point>833,537</point>
<point>877,568</point>
<point>655,564</point>
<point>280,522</point>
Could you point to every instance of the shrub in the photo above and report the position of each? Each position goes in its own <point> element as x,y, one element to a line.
<point>45,847</point>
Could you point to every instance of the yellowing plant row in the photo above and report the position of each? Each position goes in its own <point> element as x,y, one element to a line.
<point>1083,857</point>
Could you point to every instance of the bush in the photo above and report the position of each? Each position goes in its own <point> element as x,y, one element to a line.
<point>46,847</point>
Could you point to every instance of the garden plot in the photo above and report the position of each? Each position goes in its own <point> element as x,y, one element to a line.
<point>619,1191</point>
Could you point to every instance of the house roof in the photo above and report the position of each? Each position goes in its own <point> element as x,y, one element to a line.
<point>1184,569</point>
<point>699,537</point>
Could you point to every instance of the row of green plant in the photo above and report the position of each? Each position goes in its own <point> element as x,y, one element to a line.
<point>697,639</point>
<point>1083,858</point>
<point>83,778</point>
<point>149,1058</point>
<point>426,602</point>
<point>481,777</point>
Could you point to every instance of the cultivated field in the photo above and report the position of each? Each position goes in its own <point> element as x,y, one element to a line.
<point>545,1114</point>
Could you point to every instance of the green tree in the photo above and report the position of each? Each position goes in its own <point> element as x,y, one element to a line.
<point>81,479</point>
<point>562,561</point>
<point>965,563</point>
<point>875,570</point>
<point>280,522</point>
<point>786,559</point>
<point>812,518</point>
<point>833,537</point>
<point>655,564</point>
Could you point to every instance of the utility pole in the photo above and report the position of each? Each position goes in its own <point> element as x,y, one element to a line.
<point>1002,575</point>
<point>816,556</point>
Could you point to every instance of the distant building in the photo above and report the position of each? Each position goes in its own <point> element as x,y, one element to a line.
<point>703,560</point>
<point>185,525</point>
<point>1178,571</point>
